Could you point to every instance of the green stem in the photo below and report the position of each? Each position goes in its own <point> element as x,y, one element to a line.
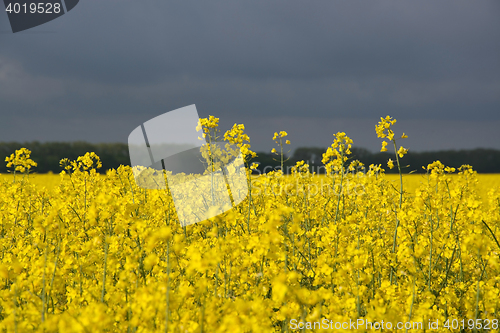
<point>103,292</point>
<point>168,287</point>
<point>400,175</point>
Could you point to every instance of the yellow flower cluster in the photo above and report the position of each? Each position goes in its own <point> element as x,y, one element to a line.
<point>210,128</point>
<point>236,136</point>
<point>87,162</point>
<point>385,124</point>
<point>99,254</point>
<point>337,154</point>
<point>278,139</point>
<point>207,123</point>
<point>281,135</point>
<point>20,161</point>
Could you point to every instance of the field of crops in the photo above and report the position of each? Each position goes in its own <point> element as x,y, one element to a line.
<point>83,252</point>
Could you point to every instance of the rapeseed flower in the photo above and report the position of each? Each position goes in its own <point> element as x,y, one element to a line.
<point>100,254</point>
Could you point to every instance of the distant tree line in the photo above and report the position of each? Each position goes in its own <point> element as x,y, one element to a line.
<point>482,160</point>
<point>112,155</point>
<point>47,155</point>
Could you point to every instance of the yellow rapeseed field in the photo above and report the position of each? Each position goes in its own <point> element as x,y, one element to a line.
<point>349,251</point>
<point>411,182</point>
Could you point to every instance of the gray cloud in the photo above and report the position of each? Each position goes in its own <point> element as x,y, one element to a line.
<point>120,63</point>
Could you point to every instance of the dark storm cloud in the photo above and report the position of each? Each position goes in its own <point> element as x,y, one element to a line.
<point>130,41</point>
<point>318,59</point>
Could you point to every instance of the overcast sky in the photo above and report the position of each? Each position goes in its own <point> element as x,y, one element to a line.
<point>311,68</point>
